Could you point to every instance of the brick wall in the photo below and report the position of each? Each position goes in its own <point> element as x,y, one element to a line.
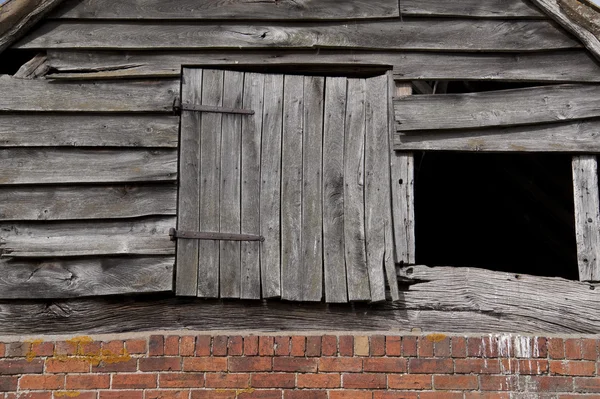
<point>300,367</point>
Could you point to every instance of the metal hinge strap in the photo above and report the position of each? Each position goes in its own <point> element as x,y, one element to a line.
<point>196,235</point>
<point>177,107</point>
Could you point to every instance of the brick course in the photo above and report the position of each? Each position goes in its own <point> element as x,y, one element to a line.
<point>433,366</point>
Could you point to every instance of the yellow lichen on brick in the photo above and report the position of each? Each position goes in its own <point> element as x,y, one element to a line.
<point>30,355</point>
<point>66,394</point>
<point>77,343</point>
<point>95,358</point>
<point>436,337</point>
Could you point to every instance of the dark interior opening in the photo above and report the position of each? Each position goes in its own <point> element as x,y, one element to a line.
<point>503,212</point>
<point>12,60</point>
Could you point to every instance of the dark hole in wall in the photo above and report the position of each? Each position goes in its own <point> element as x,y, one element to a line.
<point>504,212</point>
<point>12,60</point>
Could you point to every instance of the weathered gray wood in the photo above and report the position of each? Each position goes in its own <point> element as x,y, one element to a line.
<point>41,95</point>
<point>291,188</point>
<point>44,166</point>
<point>354,180</point>
<point>34,68</point>
<point>559,66</point>
<point>210,170</point>
<point>59,130</point>
<point>587,216</point>
<point>497,108</point>
<point>230,213</point>
<point>251,184</point>
<point>186,275</point>
<point>28,279</point>
<point>434,34</point>
<point>270,190</point>
<point>148,236</point>
<point>239,10</point>
<point>334,264</point>
<point>378,208</point>
<point>87,202</point>
<point>580,136</point>
<point>471,8</point>
<point>311,269</point>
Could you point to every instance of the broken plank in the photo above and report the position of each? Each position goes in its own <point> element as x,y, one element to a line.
<point>587,216</point>
<point>435,34</point>
<point>70,278</point>
<point>501,9</point>
<point>497,108</point>
<point>59,130</point>
<point>238,10</point>
<point>40,95</point>
<point>52,166</point>
<point>148,236</point>
<point>87,202</point>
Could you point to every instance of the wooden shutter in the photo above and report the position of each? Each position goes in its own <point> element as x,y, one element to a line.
<point>307,170</point>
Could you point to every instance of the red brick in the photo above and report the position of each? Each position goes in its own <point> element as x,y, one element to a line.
<point>219,346</point>
<point>349,364</point>
<point>2,350</point>
<point>395,395</point>
<point>260,394</point>
<point>573,349</point>
<point>41,349</point>
<point>187,346</point>
<point>251,345</point>
<point>20,366</point>
<point>121,395</point>
<point>32,395</point>
<point>329,345</point>
<point>235,345</point>
<point>42,382</point>
<point>553,383</point>
<point>498,382</point>
<point>160,364</point>
<point>346,345</point>
<point>578,396</point>
<point>214,394</point>
<point>313,346</point>
<point>587,384</point>
<point>250,364</point>
<point>203,345</point>
<point>156,345</point>
<point>205,364</point>
<point>349,394</point>
<point>393,345</point>
<point>282,346</point>
<point>172,345</point>
<point>408,381</point>
<point>291,364</point>
<point>134,381</point>
<point>88,382</point>
<point>228,380</point>
<point>81,395</point>
<point>556,348</point>
<point>113,347</point>
<point>115,367</point>
<point>65,348</point>
<point>430,366</point>
<point>459,347</point>
<point>441,348</point>
<point>266,346</point>
<point>385,365</point>
<point>573,367</point>
<point>475,347</point>
<point>377,347</point>
<point>487,395</point>
<point>181,380</point>
<point>477,366</point>
<point>319,381</point>
<point>425,348</point>
<point>8,384</point>
<point>93,348</point>
<point>169,394</point>
<point>17,349</point>
<point>542,347</point>
<point>409,346</point>
<point>298,346</point>
<point>525,366</point>
<point>588,349</point>
<point>364,381</point>
<point>136,346</point>
<point>455,382</point>
<point>273,380</point>
<point>67,365</point>
<point>441,395</point>
<point>305,394</point>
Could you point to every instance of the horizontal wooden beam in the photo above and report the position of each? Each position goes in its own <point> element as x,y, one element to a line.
<point>579,136</point>
<point>32,279</point>
<point>438,34</point>
<point>147,236</point>
<point>70,165</point>
<point>504,9</point>
<point>497,108</point>
<point>41,95</point>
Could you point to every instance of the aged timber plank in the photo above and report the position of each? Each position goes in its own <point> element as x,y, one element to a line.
<point>51,165</point>
<point>555,66</point>
<point>378,208</point>
<point>239,10</point>
<point>334,264</point>
<point>354,180</point>
<point>579,136</point>
<point>58,130</point>
<point>87,202</point>
<point>41,95</point>
<point>189,185</point>
<point>435,34</point>
<point>504,9</point>
<point>587,216</point>
<point>497,108</point>
<point>311,268</point>
<point>210,170</point>
<point>291,188</point>
<point>270,191</point>
<point>252,127</point>
<point>148,236</point>
<point>230,214</point>
<point>66,278</point>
